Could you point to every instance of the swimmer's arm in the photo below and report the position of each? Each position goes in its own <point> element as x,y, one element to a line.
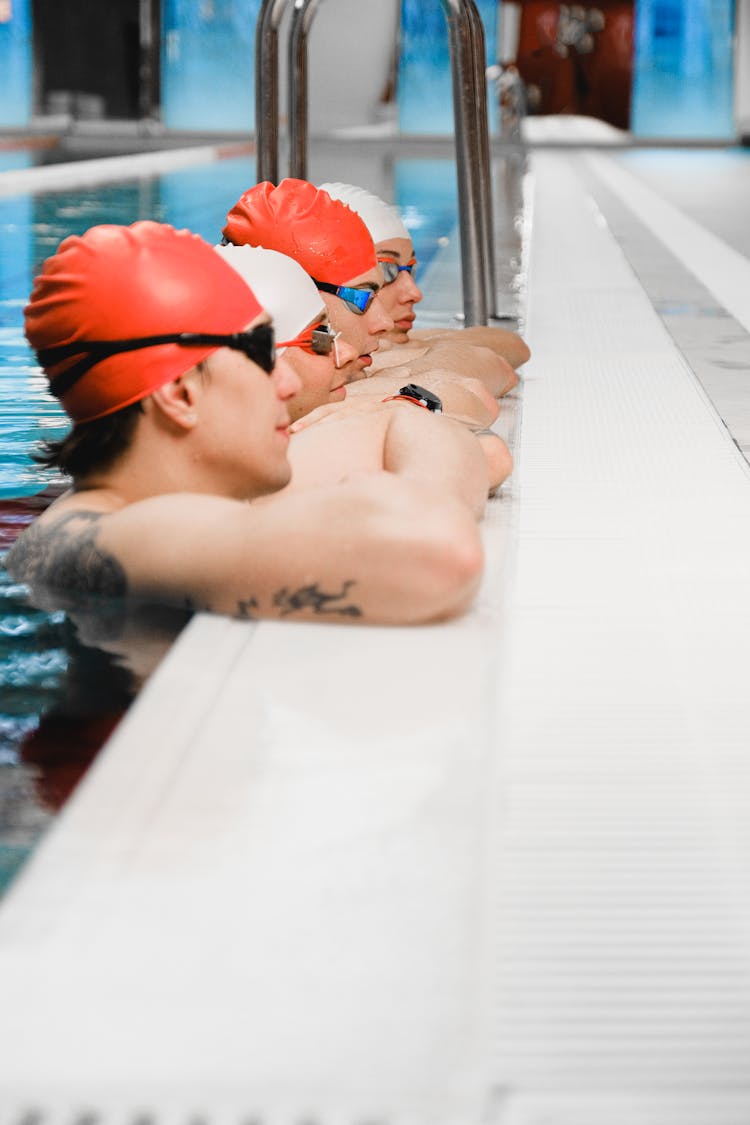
<point>64,552</point>
<point>463,396</point>
<point>500,340</point>
<point>402,438</point>
<point>451,355</point>
<point>479,363</point>
<point>429,447</point>
<point>498,456</point>
<point>348,437</point>
<point>391,355</point>
<point>376,549</point>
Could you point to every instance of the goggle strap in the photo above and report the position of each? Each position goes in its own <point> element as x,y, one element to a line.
<point>325,286</point>
<point>94,351</point>
<point>62,383</point>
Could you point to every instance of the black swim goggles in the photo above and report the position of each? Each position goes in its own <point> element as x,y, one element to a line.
<point>259,345</point>
<point>356,300</point>
<point>392,269</point>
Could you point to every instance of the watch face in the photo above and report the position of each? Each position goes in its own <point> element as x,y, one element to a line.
<point>423,397</point>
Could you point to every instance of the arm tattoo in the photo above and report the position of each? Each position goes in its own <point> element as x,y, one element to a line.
<point>247,610</point>
<point>310,597</point>
<point>65,555</point>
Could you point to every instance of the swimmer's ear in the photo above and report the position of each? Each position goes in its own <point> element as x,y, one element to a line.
<point>176,401</point>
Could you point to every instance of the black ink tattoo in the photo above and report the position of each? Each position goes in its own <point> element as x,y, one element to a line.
<point>65,555</point>
<point>247,610</point>
<point>310,597</point>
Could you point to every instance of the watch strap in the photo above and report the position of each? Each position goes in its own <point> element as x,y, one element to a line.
<point>419,396</point>
<point>407,398</point>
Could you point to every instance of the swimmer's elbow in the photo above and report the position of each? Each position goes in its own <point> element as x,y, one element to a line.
<point>499,460</point>
<point>508,380</point>
<point>453,566</point>
<point>486,398</point>
<point>504,464</point>
<point>514,349</point>
<point>422,550</point>
<point>467,565</point>
<point>523,352</point>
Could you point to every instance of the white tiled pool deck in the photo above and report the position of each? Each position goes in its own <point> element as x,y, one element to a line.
<point>495,871</point>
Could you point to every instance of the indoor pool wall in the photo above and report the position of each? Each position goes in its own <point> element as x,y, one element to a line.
<point>683,80</point>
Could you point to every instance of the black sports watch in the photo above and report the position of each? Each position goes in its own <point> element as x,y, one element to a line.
<point>412,392</point>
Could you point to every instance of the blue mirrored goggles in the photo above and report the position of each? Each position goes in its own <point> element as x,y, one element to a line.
<point>392,269</point>
<point>356,300</point>
<point>258,345</point>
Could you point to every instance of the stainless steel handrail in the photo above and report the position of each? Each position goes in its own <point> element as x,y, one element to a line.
<point>466,44</point>
<point>303,12</point>
<point>267,89</point>
<point>484,171</point>
<point>468,157</point>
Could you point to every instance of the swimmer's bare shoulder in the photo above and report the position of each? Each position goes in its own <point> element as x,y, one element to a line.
<point>63,551</point>
<point>328,555</point>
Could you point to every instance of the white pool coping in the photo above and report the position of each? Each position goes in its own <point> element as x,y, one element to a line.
<point>494,870</point>
<point>111,169</point>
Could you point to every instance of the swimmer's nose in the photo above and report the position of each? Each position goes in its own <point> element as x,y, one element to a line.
<point>345,352</point>
<point>286,380</point>
<point>378,319</point>
<point>410,291</point>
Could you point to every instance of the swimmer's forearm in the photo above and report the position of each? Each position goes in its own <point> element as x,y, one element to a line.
<point>377,549</point>
<point>420,445</point>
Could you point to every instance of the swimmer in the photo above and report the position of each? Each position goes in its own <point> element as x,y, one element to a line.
<point>331,244</point>
<point>319,356</point>
<point>334,247</point>
<point>352,442</point>
<point>164,360</point>
<point>401,293</point>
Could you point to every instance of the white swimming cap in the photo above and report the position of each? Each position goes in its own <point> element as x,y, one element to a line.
<point>280,284</point>
<point>382,220</point>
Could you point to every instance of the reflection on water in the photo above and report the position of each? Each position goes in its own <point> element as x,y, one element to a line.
<point>68,673</point>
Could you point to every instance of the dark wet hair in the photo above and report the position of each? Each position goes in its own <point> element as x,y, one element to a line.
<point>91,446</point>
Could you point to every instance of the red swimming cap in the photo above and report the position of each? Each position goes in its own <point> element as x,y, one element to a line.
<point>327,238</point>
<point>118,283</point>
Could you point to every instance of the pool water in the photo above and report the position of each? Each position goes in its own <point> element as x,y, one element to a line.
<point>64,688</point>
<point>68,676</point>
<point>49,731</point>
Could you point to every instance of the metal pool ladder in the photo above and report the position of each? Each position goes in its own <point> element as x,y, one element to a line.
<point>467,54</point>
